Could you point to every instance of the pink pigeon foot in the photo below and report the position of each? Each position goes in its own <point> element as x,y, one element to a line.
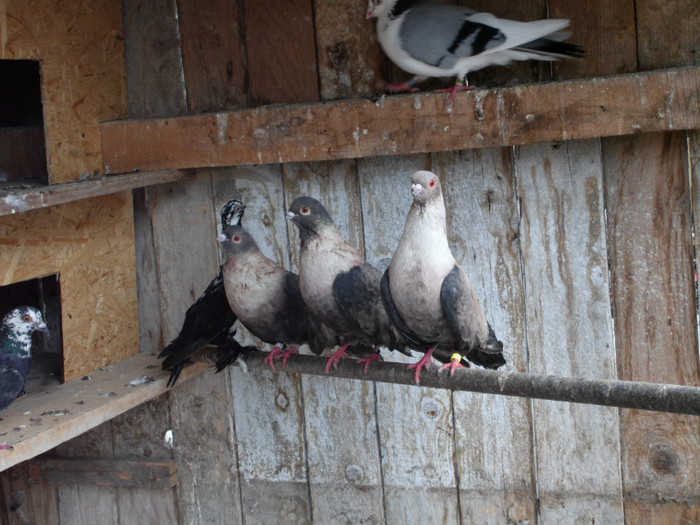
<point>6,447</point>
<point>424,362</point>
<point>275,353</point>
<point>286,355</point>
<point>403,87</point>
<point>376,356</point>
<point>454,89</point>
<point>453,365</point>
<point>335,358</point>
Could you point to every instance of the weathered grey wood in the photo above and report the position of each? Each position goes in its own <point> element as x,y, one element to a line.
<point>106,472</point>
<point>493,435</point>
<point>651,254</point>
<point>25,500</point>
<point>416,429</point>
<point>147,506</point>
<point>267,407</point>
<point>88,505</point>
<point>569,327</point>
<point>340,418</point>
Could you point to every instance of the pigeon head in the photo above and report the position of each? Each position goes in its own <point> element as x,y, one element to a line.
<point>376,7</point>
<point>425,186</point>
<point>309,215</point>
<point>23,321</point>
<point>235,240</point>
<point>232,213</point>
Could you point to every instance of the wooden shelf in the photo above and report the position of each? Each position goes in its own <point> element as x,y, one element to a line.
<point>25,199</point>
<point>399,125</point>
<point>41,420</point>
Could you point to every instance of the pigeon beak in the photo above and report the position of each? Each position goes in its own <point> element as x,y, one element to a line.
<point>291,215</point>
<point>41,327</point>
<point>416,189</point>
<point>221,238</point>
<point>370,13</point>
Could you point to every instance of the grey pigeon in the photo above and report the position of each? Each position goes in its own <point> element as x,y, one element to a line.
<point>16,350</point>
<point>209,320</point>
<point>338,285</point>
<point>439,40</point>
<point>266,298</point>
<point>428,295</point>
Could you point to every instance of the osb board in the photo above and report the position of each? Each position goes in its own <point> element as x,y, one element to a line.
<point>90,244</point>
<point>81,49</point>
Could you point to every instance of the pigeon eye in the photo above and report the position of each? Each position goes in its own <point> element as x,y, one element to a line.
<point>431,184</point>
<point>26,318</point>
<point>305,210</point>
<point>236,238</point>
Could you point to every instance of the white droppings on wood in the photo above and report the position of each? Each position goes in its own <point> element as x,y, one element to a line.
<point>222,126</point>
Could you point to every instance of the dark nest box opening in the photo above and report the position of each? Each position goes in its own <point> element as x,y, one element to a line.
<point>46,365</point>
<point>22,144</point>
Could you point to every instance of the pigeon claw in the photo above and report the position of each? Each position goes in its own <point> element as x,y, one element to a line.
<point>453,365</point>
<point>275,353</point>
<point>376,356</point>
<point>402,87</point>
<point>424,362</point>
<point>454,89</point>
<point>335,357</point>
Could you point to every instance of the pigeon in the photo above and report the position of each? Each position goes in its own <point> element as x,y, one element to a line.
<point>427,294</point>
<point>338,285</point>
<point>266,299</point>
<point>209,321</point>
<point>429,40</point>
<point>16,350</point>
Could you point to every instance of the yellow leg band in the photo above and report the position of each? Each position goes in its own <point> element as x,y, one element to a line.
<point>455,357</point>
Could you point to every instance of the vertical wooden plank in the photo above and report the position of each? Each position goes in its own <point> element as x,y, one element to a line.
<point>350,60</point>
<point>281,51</point>
<point>569,328</point>
<point>493,434</point>
<point>213,55</point>
<point>416,428</point>
<point>39,501</point>
<point>267,407</point>
<point>655,319</point>
<point>344,473</point>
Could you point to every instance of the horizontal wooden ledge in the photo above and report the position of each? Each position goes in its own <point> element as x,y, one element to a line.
<point>403,124</point>
<point>41,420</point>
<point>18,201</point>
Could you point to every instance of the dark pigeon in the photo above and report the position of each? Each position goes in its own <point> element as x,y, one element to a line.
<point>338,285</point>
<point>266,299</point>
<point>428,296</point>
<point>209,321</point>
<point>16,350</point>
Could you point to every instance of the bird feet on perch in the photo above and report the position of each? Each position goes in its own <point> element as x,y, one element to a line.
<point>402,87</point>
<point>376,356</point>
<point>335,357</point>
<point>424,362</point>
<point>278,353</point>
<point>459,86</point>
<point>453,365</point>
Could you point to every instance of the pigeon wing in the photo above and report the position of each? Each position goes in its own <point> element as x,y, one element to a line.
<point>412,339</point>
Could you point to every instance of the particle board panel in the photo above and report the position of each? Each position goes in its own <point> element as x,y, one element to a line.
<point>89,244</point>
<point>281,51</point>
<point>340,469</point>
<point>416,426</point>
<point>267,407</point>
<point>75,99</point>
<point>569,327</point>
<point>493,435</point>
<point>649,221</point>
<point>213,54</point>
<point>395,125</point>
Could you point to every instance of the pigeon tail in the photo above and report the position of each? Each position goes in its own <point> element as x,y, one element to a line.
<point>552,48</point>
<point>489,355</point>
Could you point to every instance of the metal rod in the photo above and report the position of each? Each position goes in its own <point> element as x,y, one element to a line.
<point>679,399</point>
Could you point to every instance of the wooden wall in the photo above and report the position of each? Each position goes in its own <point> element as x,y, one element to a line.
<point>580,251</point>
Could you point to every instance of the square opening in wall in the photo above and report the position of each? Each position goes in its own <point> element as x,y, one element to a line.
<point>22,144</point>
<point>46,364</point>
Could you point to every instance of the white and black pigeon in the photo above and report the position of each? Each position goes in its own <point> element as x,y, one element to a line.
<point>266,299</point>
<point>16,349</point>
<point>338,285</point>
<point>432,40</point>
<point>209,321</point>
<point>427,294</point>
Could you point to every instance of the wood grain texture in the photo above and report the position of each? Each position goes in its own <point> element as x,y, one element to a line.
<point>75,99</point>
<point>38,500</point>
<point>569,327</point>
<point>493,435</point>
<point>281,51</point>
<point>620,105</point>
<point>350,60</point>
<point>213,55</point>
<point>106,472</point>
<point>267,408</point>
<point>648,203</point>
<point>345,481</point>
<point>416,427</point>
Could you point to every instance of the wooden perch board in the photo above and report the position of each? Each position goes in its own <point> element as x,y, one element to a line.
<point>38,422</point>
<point>398,125</point>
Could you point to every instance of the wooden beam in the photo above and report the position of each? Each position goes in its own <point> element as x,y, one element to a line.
<point>18,201</point>
<point>105,472</point>
<point>397,125</point>
<point>39,421</point>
